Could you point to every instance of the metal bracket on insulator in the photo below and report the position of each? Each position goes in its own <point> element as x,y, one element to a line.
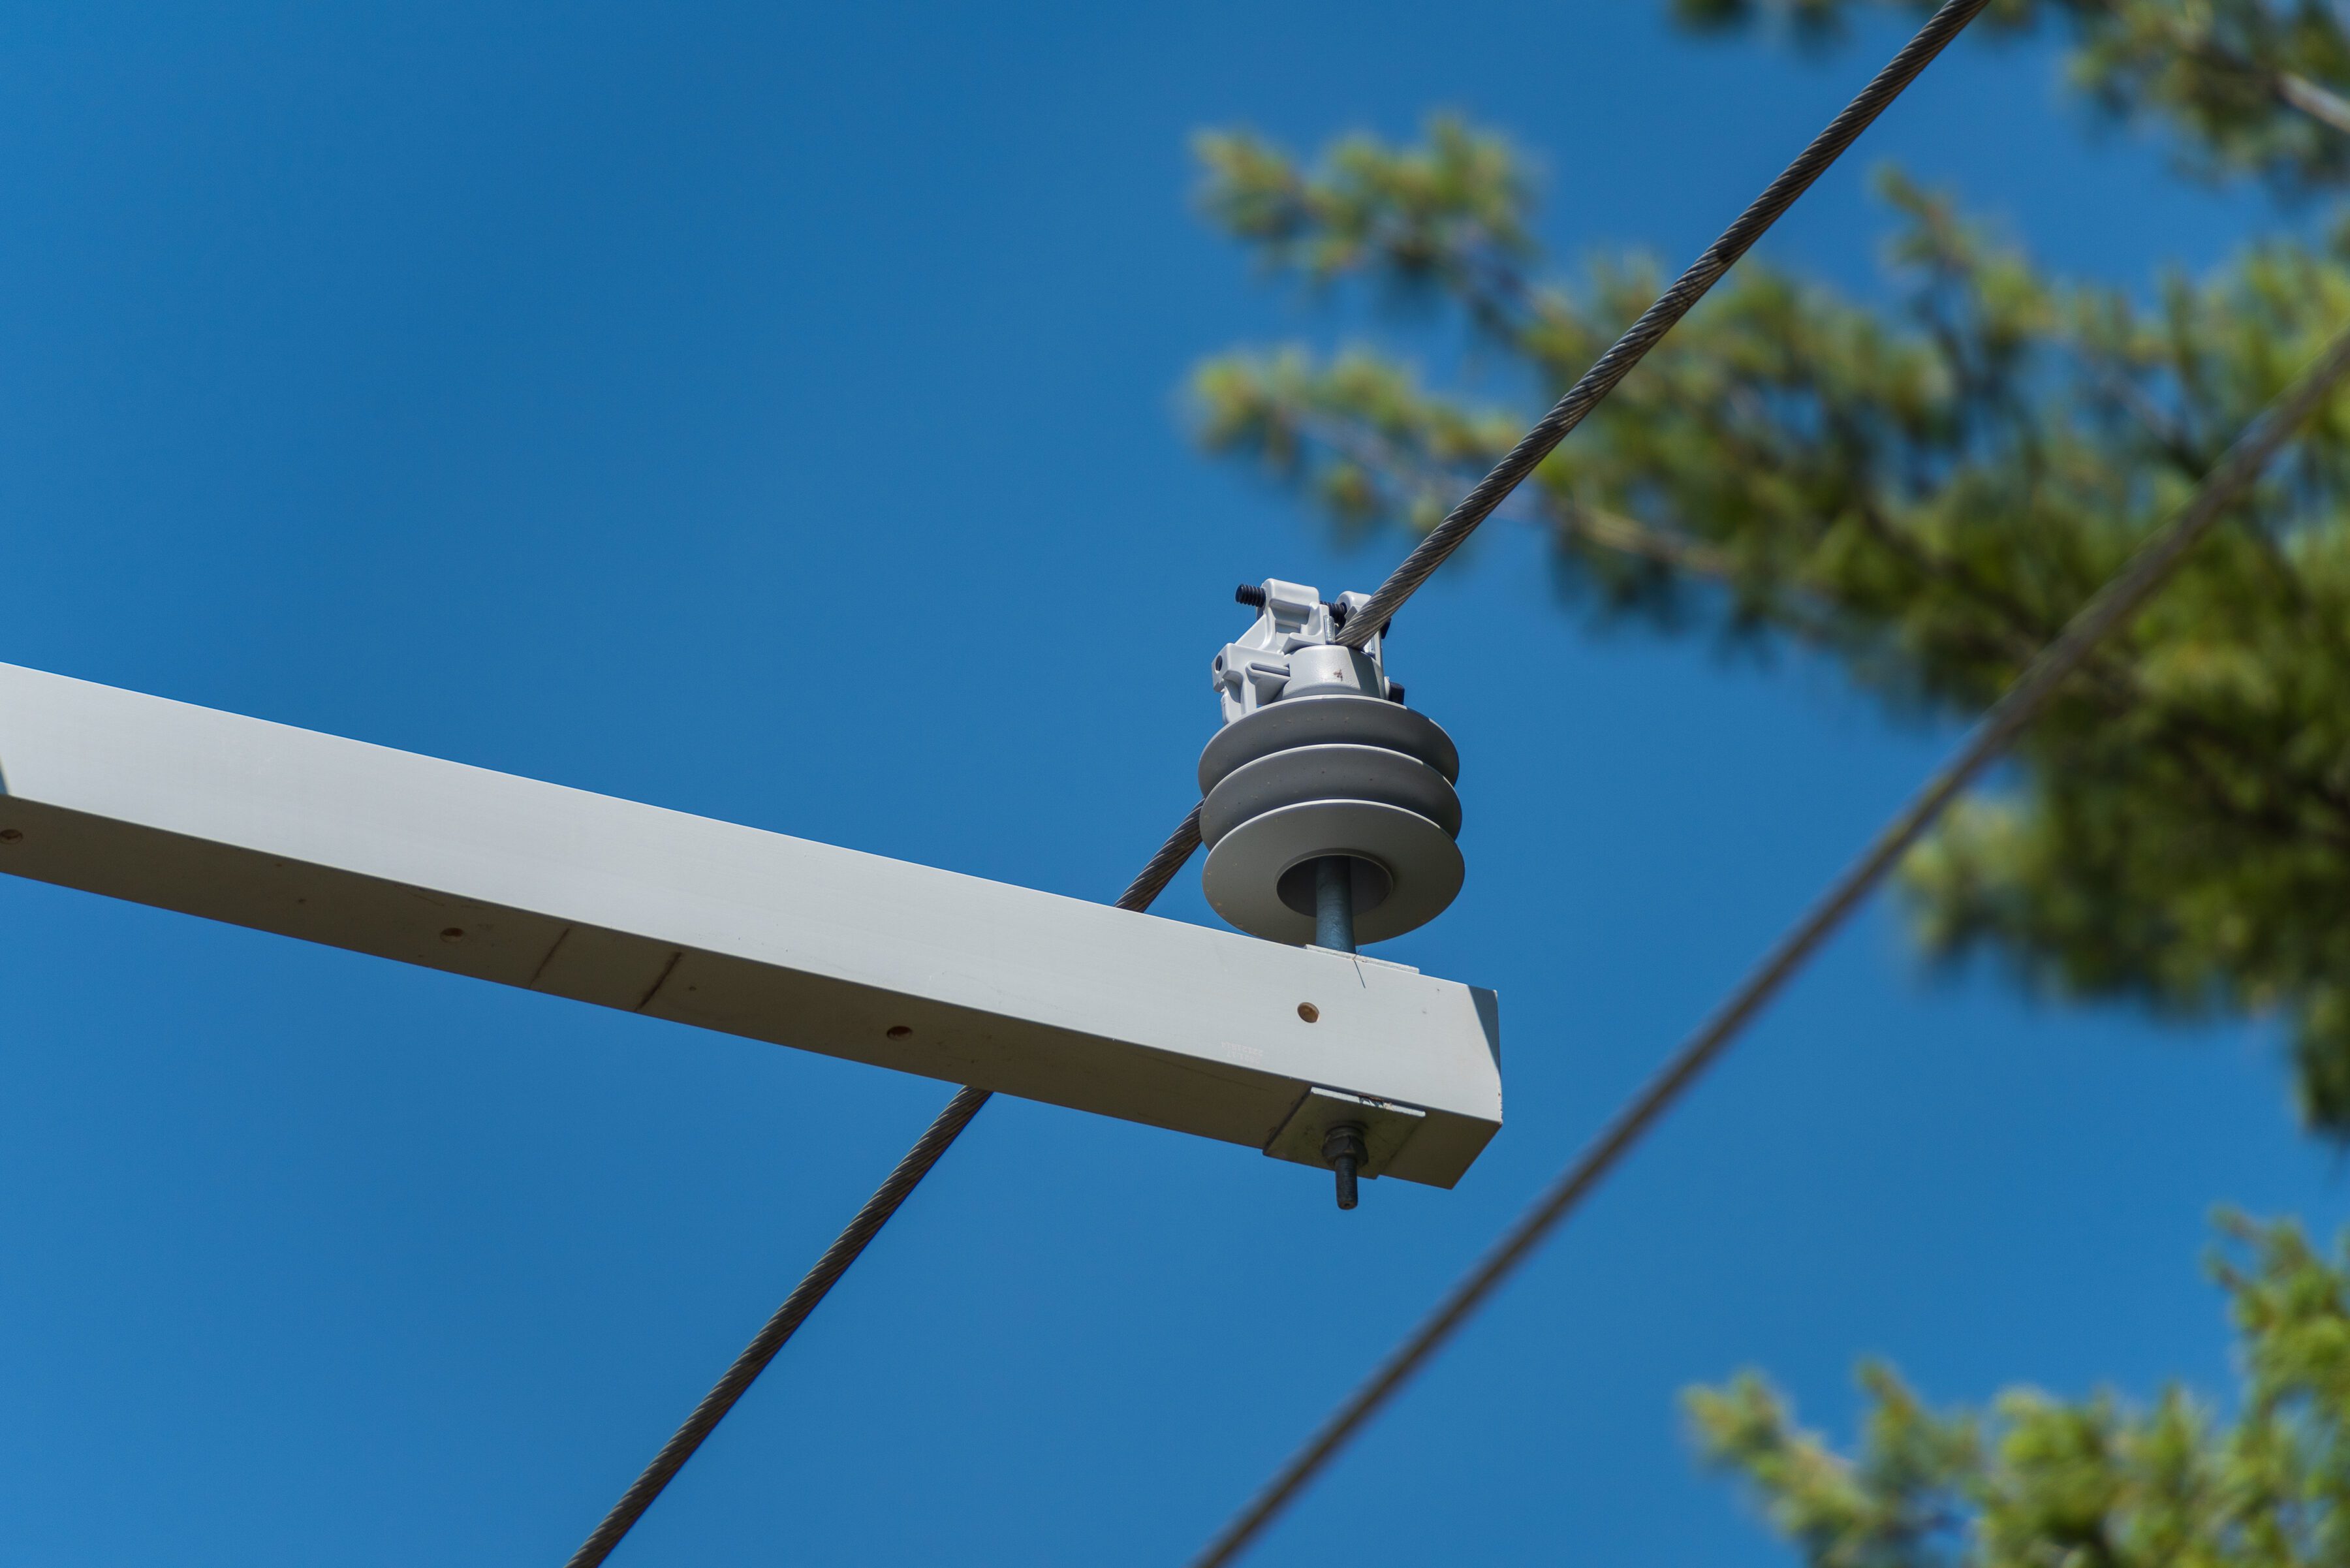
<point>1329,815</point>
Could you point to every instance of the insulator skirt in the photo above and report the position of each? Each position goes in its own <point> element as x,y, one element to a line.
<point>1328,773</point>
<point>1328,720</point>
<point>1307,778</point>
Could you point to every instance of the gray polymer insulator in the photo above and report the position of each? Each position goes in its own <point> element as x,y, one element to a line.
<point>1318,757</point>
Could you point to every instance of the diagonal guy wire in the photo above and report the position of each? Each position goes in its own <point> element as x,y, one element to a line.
<point>1416,569</point>
<point>1657,320</point>
<point>837,1257</point>
<point>2108,611</point>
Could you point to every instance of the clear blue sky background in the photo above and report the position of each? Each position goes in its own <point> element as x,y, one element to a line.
<point>770,412</point>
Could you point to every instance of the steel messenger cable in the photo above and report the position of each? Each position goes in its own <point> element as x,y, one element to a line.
<point>1430,553</point>
<point>843,1252</point>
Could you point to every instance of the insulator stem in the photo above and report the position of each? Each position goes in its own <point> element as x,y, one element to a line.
<point>1333,902</point>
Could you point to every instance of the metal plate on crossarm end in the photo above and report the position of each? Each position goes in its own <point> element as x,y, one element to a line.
<point>1387,1128</point>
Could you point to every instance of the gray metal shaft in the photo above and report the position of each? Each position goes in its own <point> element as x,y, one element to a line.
<point>1334,903</point>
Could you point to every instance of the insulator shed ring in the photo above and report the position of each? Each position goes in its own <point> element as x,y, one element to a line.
<point>1328,773</point>
<point>1328,720</point>
<point>1414,868</point>
<point>1307,778</point>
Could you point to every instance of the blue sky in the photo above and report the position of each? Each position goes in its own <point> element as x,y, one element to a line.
<point>772,412</point>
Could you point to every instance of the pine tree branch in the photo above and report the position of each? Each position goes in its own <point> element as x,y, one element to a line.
<point>2190,744</point>
<point>2327,109</point>
<point>2290,88</point>
<point>2124,691</point>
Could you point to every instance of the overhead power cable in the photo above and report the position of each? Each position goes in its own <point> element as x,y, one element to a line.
<point>2106,613</point>
<point>1657,320</point>
<point>844,1251</point>
<point>1416,569</point>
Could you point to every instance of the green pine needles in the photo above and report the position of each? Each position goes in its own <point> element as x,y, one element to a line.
<point>2042,1482</point>
<point>1925,491</point>
<point>2249,86</point>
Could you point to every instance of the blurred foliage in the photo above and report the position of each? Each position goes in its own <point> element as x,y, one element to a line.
<point>2242,81</point>
<point>2046,1482</point>
<point>1924,490</point>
